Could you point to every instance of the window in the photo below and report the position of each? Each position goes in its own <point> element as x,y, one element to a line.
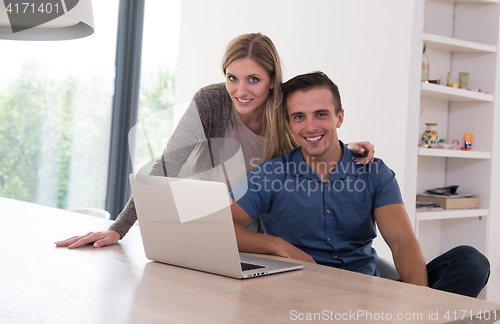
<point>157,90</point>
<point>55,115</point>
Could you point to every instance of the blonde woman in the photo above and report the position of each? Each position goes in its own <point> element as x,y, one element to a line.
<point>241,109</point>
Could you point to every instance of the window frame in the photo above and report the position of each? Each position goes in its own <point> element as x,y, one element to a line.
<point>125,102</point>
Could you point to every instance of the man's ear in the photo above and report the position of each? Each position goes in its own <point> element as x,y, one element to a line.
<point>340,117</point>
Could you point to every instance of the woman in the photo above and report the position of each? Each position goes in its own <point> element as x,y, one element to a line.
<point>242,109</point>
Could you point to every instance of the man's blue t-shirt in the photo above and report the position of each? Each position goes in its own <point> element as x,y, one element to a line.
<point>332,221</point>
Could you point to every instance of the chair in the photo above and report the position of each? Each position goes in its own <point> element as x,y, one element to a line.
<point>386,269</point>
<point>97,212</point>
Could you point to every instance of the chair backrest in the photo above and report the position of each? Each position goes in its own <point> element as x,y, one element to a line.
<point>97,212</point>
<point>386,269</point>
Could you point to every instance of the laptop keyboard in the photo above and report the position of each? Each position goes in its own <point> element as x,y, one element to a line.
<point>250,266</point>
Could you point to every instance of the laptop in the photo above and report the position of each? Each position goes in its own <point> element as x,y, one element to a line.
<point>188,223</point>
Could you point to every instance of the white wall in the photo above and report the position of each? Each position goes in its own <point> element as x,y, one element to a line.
<point>364,46</point>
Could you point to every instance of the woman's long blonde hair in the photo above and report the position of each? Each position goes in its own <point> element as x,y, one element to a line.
<point>260,48</point>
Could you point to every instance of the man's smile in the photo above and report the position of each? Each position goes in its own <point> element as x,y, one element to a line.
<point>315,138</point>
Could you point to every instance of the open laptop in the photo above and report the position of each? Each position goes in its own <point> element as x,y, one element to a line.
<point>188,223</point>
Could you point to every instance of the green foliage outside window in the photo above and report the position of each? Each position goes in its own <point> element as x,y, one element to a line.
<point>54,135</point>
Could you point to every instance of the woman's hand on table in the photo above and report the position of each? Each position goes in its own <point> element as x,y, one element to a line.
<point>100,239</point>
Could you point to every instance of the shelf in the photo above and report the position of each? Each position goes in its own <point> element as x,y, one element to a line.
<point>473,1</point>
<point>451,214</point>
<point>441,92</point>
<point>456,45</point>
<point>422,151</point>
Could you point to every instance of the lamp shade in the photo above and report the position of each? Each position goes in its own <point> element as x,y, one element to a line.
<point>45,20</point>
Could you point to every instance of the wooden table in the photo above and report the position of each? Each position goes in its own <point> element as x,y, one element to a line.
<point>40,283</point>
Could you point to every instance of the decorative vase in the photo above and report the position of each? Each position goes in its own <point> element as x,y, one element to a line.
<point>430,136</point>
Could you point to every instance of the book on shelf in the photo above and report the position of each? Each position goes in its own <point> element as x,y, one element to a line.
<point>427,206</point>
<point>451,201</point>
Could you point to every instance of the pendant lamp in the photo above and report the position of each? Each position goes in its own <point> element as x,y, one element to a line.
<point>45,20</point>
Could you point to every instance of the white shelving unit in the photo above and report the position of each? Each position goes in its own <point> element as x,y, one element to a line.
<point>453,153</point>
<point>461,36</point>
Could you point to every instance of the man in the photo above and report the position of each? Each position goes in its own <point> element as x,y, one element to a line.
<point>317,205</point>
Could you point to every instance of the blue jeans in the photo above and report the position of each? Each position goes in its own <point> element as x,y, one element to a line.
<point>462,270</point>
